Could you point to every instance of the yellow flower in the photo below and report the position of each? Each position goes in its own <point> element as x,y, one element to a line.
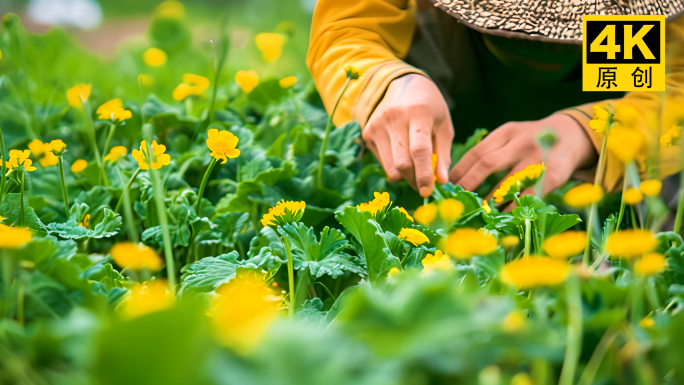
<point>514,322</point>
<point>630,243</point>
<point>601,119</point>
<point>154,57</point>
<point>13,237</point>
<point>521,378</point>
<point>627,115</point>
<point>380,201</point>
<point>426,214</point>
<point>352,72</point>
<point>531,272</point>
<point>466,242</point>
<point>583,195</point>
<point>509,241</point>
<point>159,159</point>
<point>450,209</point>
<point>43,151</point>
<point>247,80</point>
<point>242,311</point>
<point>647,322</point>
<point>57,146</point>
<point>145,80</point>
<point>86,221</point>
<point>566,245</point>
<point>651,187</point>
<point>671,137</point>
<point>416,237</point>
<point>270,45</point>
<point>136,257</point>
<point>650,264</point>
<point>113,110</point>
<point>222,144</point>
<point>485,206</point>
<point>170,9</point>
<point>78,94</point>
<point>624,142</point>
<point>519,181</point>
<point>403,211</point>
<point>19,158</point>
<point>192,85</point>
<point>116,153</point>
<point>280,210</point>
<point>633,196</point>
<point>438,261</point>
<point>393,272</point>
<point>36,147</point>
<point>78,165</point>
<point>146,298</point>
<point>288,82</point>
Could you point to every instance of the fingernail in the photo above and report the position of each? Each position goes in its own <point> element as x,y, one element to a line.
<point>425,191</point>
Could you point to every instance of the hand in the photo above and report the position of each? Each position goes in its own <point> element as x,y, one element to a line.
<point>514,146</point>
<point>410,124</point>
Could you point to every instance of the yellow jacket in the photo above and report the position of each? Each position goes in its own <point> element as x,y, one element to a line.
<point>375,35</point>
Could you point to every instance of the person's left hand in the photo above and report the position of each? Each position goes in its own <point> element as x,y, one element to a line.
<point>514,146</point>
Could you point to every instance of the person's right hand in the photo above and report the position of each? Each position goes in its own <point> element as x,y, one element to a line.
<point>409,124</point>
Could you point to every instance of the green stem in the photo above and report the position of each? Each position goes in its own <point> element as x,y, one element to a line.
<point>680,207</point>
<point>21,201</point>
<point>203,185</point>
<point>290,278</point>
<point>65,196</point>
<point>93,140</point>
<point>594,363</point>
<point>126,189</point>
<point>528,237</point>
<point>587,246</point>
<point>622,202</point>
<point>599,167</point>
<point>110,136</point>
<point>161,211</point>
<point>132,234</point>
<point>3,179</point>
<point>20,303</point>
<point>637,301</point>
<point>328,127</point>
<point>633,217</point>
<point>574,346</point>
<point>7,267</point>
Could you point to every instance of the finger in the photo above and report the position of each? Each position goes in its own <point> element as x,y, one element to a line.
<point>398,141</point>
<point>378,143</point>
<point>444,137</point>
<point>501,159</point>
<point>491,142</point>
<point>420,147</point>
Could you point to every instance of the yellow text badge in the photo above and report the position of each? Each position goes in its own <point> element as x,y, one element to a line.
<point>623,53</point>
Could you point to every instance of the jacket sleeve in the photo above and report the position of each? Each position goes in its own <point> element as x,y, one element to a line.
<point>659,110</point>
<point>371,35</point>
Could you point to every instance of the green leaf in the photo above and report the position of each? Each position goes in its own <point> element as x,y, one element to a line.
<point>369,234</point>
<point>394,221</point>
<point>342,144</point>
<point>209,273</point>
<point>10,211</point>
<point>108,227</point>
<point>551,224</point>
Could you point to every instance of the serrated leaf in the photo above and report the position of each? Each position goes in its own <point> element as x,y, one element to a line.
<point>108,227</point>
<point>209,273</point>
<point>10,211</point>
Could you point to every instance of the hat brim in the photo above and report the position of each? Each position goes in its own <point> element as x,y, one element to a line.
<point>485,18</point>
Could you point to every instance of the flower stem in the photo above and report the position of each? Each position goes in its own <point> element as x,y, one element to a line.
<point>637,303</point>
<point>587,247</point>
<point>112,130</point>
<point>528,237</point>
<point>3,179</point>
<point>594,363</point>
<point>328,127</point>
<point>622,202</point>
<point>132,234</point>
<point>21,201</point>
<point>680,206</point>
<point>574,347</point>
<point>207,173</point>
<point>93,141</point>
<point>290,278</point>
<point>161,212</point>
<point>7,267</point>
<point>65,196</point>
<point>126,189</point>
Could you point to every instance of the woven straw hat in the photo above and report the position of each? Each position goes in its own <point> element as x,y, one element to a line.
<point>548,20</point>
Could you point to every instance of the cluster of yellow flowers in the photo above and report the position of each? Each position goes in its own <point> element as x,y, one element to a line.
<point>649,188</point>
<point>449,210</point>
<point>637,244</point>
<point>192,85</point>
<point>18,158</point>
<point>46,151</point>
<point>518,181</point>
<point>159,158</point>
<point>280,210</point>
<point>380,201</point>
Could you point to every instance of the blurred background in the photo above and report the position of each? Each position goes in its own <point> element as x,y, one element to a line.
<point>116,33</point>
